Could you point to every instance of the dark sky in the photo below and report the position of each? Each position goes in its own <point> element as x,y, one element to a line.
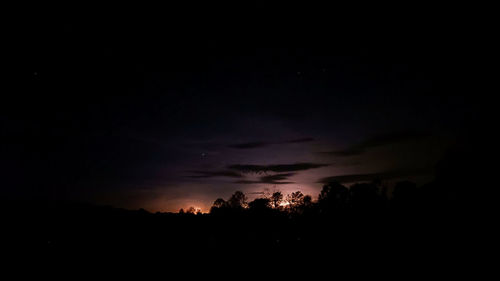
<point>159,117</point>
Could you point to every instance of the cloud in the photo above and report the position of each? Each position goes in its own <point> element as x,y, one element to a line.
<point>249,145</point>
<point>279,168</point>
<point>212,174</point>
<point>256,182</point>
<point>299,140</point>
<point>276,177</point>
<point>352,178</point>
<point>258,144</point>
<point>246,182</point>
<point>388,175</point>
<point>350,151</point>
<point>379,140</point>
<point>270,179</point>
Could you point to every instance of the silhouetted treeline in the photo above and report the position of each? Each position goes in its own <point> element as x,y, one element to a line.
<point>446,217</point>
<point>362,217</point>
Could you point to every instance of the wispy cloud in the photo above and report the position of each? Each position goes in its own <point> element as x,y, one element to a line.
<point>258,144</point>
<point>212,174</point>
<point>278,168</point>
<point>249,145</point>
<point>299,140</point>
<point>387,175</point>
<point>276,177</point>
<point>257,193</point>
<point>376,141</point>
<point>270,179</point>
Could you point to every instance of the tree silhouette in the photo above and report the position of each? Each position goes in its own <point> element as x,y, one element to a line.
<point>260,204</point>
<point>333,197</point>
<point>307,201</point>
<point>276,199</point>
<point>405,195</point>
<point>358,218</point>
<point>218,206</point>
<point>295,201</point>
<point>238,200</point>
<point>219,203</point>
<point>191,210</point>
<point>364,197</point>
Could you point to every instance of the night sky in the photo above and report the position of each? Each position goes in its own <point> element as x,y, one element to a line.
<point>151,116</point>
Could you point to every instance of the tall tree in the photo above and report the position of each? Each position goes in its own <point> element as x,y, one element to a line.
<point>238,200</point>
<point>276,199</point>
<point>295,200</point>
